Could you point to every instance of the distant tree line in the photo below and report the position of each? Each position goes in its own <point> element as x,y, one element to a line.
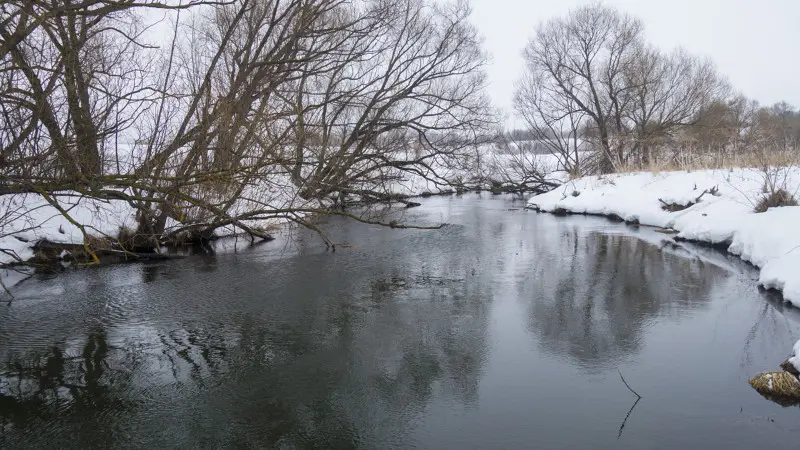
<point>591,80</point>
<point>739,126</point>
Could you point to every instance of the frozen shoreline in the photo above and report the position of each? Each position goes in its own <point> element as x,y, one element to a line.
<point>769,240</point>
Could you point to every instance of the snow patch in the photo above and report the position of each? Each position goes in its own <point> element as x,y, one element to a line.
<point>769,240</point>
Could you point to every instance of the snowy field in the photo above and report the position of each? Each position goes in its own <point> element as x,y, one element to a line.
<point>769,240</point>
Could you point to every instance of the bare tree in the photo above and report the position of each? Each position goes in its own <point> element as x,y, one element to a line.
<point>555,120</point>
<point>591,74</point>
<point>403,93</point>
<point>740,131</point>
<point>582,58</point>
<point>243,110</point>
<point>667,93</point>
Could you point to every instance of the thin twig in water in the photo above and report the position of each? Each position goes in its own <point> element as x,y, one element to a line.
<point>5,289</point>
<point>638,397</point>
<point>628,386</point>
<point>619,435</point>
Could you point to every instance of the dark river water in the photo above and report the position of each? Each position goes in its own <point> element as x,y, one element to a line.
<point>505,329</point>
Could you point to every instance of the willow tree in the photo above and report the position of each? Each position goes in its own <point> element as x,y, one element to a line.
<point>402,93</point>
<point>224,113</point>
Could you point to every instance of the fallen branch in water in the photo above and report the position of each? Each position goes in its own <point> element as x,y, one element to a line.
<point>391,224</point>
<point>638,397</point>
<point>627,385</point>
<point>619,435</point>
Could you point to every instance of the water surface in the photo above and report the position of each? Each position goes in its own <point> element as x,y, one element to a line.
<point>505,329</point>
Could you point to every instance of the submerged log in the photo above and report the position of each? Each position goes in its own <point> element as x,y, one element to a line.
<point>51,253</point>
<point>121,255</point>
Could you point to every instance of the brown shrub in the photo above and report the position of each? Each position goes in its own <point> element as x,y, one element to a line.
<point>134,241</point>
<point>774,199</point>
<point>97,242</point>
<point>126,238</point>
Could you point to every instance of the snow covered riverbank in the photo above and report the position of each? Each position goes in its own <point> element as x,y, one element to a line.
<point>725,218</point>
<point>26,219</point>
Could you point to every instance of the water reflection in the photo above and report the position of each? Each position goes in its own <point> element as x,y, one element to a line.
<point>595,303</point>
<point>38,388</point>
<point>310,372</point>
<point>408,339</point>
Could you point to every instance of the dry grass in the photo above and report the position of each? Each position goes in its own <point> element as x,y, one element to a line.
<point>126,238</point>
<point>781,384</point>
<point>775,199</point>
<point>574,173</point>
<point>694,161</point>
<point>98,243</point>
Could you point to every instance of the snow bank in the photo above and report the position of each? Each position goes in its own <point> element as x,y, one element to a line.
<point>26,219</point>
<point>769,240</point>
<point>29,218</point>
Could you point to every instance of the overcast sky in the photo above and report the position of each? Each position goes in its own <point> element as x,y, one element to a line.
<point>755,43</point>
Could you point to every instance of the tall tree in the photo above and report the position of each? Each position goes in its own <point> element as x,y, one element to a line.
<point>592,70</point>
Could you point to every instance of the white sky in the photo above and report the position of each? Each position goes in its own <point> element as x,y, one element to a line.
<point>755,43</point>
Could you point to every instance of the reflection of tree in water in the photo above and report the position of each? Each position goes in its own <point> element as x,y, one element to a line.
<point>771,326</point>
<point>449,347</point>
<point>324,375</point>
<point>333,380</point>
<point>321,351</point>
<point>594,304</point>
<point>39,388</point>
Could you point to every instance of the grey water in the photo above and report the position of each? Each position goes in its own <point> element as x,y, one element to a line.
<point>503,329</point>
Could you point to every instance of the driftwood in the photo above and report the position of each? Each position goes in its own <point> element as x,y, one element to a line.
<point>674,207</point>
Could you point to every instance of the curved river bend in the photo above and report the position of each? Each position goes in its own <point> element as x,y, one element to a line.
<point>505,329</point>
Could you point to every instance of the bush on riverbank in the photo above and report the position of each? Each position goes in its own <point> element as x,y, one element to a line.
<point>775,199</point>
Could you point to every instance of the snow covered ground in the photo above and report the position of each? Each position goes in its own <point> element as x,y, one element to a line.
<point>769,240</point>
<point>29,218</point>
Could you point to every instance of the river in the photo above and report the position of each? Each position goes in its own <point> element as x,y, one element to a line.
<point>504,329</point>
